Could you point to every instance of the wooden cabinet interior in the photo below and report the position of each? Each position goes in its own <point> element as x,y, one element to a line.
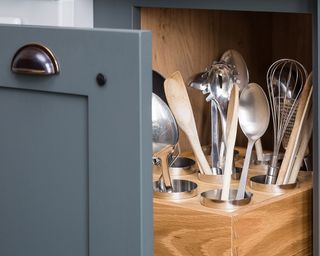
<point>189,40</point>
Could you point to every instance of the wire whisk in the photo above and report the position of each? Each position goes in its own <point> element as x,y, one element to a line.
<point>285,80</point>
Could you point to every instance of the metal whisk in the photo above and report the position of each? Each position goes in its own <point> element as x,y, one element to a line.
<point>285,80</point>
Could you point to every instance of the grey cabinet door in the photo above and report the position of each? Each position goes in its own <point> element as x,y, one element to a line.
<point>75,157</point>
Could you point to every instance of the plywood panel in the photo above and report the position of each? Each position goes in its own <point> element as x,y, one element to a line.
<point>189,40</point>
<point>292,37</point>
<point>277,225</point>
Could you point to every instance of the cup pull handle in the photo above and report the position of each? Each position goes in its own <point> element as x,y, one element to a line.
<point>35,59</point>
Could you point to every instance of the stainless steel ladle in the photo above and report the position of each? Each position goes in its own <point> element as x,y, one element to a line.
<point>165,135</point>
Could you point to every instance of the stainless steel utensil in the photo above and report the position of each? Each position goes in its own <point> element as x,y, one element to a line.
<point>280,80</point>
<point>222,78</point>
<point>200,82</point>
<point>220,87</point>
<point>235,59</point>
<point>165,136</point>
<point>285,80</point>
<point>254,117</point>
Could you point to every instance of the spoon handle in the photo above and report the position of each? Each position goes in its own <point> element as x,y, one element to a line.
<point>244,173</point>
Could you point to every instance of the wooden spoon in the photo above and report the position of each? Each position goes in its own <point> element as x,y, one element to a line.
<point>291,151</point>
<point>232,124</point>
<point>180,105</point>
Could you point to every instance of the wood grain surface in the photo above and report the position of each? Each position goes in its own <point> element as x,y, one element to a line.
<point>282,228</point>
<point>273,225</point>
<point>189,40</point>
<point>180,233</point>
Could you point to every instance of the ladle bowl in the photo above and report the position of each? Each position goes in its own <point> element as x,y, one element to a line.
<point>164,127</point>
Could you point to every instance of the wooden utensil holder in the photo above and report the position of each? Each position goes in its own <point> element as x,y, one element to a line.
<point>271,224</point>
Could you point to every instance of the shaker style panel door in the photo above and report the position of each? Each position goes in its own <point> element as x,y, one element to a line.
<point>75,147</point>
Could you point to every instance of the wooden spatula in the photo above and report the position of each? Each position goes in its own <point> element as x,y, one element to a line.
<point>232,124</point>
<point>291,151</point>
<point>298,138</point>
<point>180,106</point>
<point>305,137</point>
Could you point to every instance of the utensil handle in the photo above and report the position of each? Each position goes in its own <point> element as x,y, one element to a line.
<point>259,150</point>
<point>244,173</point>
<point>306,135</point>
<point>224,125</point>
<point>304,103</point>
<point>180,106</point>
<point>201,159</point>
<point>298,138</point>
<point>222,154</point>
<point>214,135</point>
<point>163,156</point>
<point>231,139</point>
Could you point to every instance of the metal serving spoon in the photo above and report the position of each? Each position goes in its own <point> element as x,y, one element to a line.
<point>165,135</point>
<point>254,117</point>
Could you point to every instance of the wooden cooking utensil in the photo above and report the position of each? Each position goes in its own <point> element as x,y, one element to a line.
<point>232,124</point>
<point>289,156</point>
<point>306,135</point>
<point>180,106</point>
<point>259,150</point>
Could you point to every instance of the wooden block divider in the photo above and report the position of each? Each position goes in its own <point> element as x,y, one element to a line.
<point>269,225</point>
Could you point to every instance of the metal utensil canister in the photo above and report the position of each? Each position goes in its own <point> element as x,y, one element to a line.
<point>212,199</point>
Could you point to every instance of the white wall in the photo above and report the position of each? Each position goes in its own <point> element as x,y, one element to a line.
<point>69,13</point>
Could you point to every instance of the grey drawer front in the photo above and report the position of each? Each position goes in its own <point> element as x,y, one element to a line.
<point>75,173</point>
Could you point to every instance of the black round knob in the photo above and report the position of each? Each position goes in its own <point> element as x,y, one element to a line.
<point>101,79</point>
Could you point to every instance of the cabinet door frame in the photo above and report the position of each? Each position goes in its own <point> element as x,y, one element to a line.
<point>126,15</point>
<point>316,116</point>
<point>118,121</point>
